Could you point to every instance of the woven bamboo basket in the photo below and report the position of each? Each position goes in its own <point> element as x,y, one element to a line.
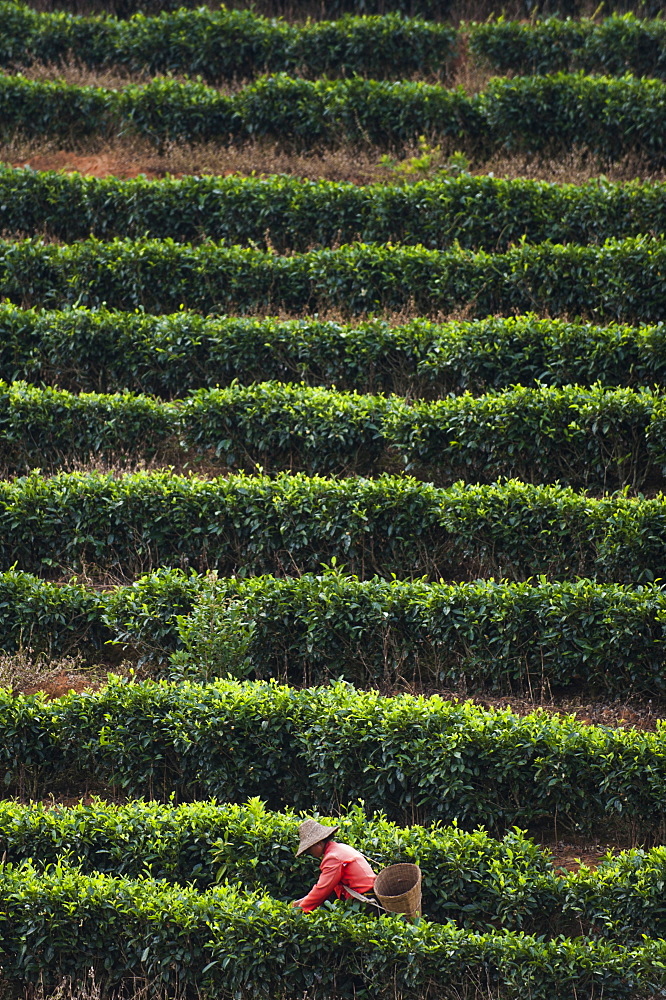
<point>398,889</point>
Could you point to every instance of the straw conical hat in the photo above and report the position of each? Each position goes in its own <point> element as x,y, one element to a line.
<point>310,832</point>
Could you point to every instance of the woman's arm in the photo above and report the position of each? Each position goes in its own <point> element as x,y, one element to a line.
<point>331,876</point>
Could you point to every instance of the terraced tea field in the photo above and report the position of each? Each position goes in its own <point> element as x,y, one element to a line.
<point>333,445</point>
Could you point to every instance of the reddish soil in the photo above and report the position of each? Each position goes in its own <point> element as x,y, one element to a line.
<point>100,165</point>
<point>637,715</point>
<point>632,714</point>
<point>570,856</point>
<point>62,683</point>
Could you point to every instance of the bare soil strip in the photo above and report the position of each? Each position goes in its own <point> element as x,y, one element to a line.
<point>132,157</point>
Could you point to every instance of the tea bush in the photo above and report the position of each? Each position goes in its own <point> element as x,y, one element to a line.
<point>102,350</point>
<point>484,634</point>
<point>309,629</point>
<point>240,44</point>
<point>610,117</point>
<point>467,877</point>
<point>219,45</point>
<point>437,10</point>
<point>201,842</point>
<point>585,437</point>
<point>53,620</point>
<point>420,760</point>
<point>290,524</point>
<point>619,44</point>
<point>619,281</point>
<point>232,942</point>
<point>287,213</point>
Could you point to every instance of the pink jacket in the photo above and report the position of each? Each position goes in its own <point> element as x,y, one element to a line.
<point>340,863</point>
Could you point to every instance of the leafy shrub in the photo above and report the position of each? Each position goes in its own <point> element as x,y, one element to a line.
<point>228,44</point>
<point>226,940</point>
<point>437,10</point>
<point>49,619</point>
<point>106,351</point>
<point>314,628</point>
<point>202,842</point>
<point>467,877</point>
<point>620,280</point>
<point>420,760</point>
<point>585,437</point>
<point>287,213</point>
<point>617,45</point>
<point>291,524</point>
<point>610,117</point>
<point>47,427</point>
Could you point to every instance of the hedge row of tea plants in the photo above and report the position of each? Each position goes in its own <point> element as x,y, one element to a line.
<point>519,636</point>
<point>287,213</point>
<point>64,924</point>
<point>103,350</point>
<point>55,620</point>
<point>239,44</point>
<point>505,636</point>
<point>591,437</point>
<point>436,10</point>
<point>616,45</point>
<point>129,524</point>
<point>224,44</point>
<point>587,437</point>
<point>418,759</point>
<point>621,280</point>
<point>467,877</point>
<point>610,117</point>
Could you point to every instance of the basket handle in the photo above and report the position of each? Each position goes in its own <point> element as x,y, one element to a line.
<point>362,898</point>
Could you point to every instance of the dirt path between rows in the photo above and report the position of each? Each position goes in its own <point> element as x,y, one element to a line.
<point>94,165</point>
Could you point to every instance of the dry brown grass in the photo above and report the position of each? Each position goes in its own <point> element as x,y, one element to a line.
<point>113,78</point>
<point>91,989</point>
<point>130,156</point>
<point>25,673</point>
<point>469,76</point>
<point>573,167</point>
<point>475,988</point>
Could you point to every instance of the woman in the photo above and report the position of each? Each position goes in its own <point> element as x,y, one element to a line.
<point>341,866</point>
